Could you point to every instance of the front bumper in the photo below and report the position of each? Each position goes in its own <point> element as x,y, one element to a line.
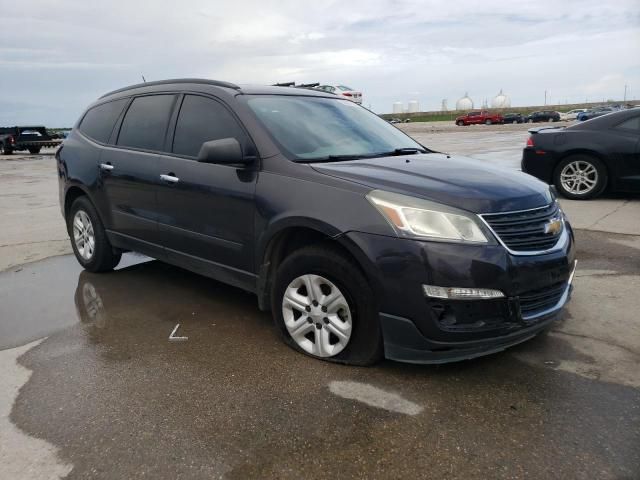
<point>420,329</point>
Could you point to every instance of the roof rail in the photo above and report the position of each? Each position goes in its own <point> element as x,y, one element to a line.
<point>204,81</point>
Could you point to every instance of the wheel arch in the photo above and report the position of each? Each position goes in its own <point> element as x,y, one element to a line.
<point>73,192</point>
<point>282,240</point>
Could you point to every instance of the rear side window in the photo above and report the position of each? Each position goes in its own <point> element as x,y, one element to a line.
<point>145,123</point>
<point>99,121</point>
<point>630,124</point>
<point>200,120</point>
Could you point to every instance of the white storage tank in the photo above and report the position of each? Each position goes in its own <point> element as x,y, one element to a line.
<point>465,103</point>
<point>397,107</point>
<point>501,101</point>
<point>414,106</point>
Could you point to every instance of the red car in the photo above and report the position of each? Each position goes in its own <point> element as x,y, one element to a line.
<point>480,116</point>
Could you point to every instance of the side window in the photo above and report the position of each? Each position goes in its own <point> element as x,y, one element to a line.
<point>99,121</point>
<point>145,123</point>
<point>202,119</point>
<point>630,124</point>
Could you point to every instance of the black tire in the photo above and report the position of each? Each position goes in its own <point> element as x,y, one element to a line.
<point>487,122</point>
<point>34,151</point>
<point>105,257</point>
<point>601,183</point>
<point>460,123</point>
<point>365,346</point>
<point>6,150</point>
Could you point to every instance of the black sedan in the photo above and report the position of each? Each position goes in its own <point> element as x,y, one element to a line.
<point>513,118</point>
<point>543,116</point>
<point>585,159</point>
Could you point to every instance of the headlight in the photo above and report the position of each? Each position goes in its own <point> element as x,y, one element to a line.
<point>417,218</point>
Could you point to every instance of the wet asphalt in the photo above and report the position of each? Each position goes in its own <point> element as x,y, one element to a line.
<point>120,400</point>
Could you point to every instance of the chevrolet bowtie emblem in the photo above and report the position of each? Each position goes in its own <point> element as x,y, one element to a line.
<point>553,227</point>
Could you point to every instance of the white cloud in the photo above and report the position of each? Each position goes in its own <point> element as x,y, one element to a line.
<point>74,50</point>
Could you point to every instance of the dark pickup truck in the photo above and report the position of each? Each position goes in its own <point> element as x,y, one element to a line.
<point>26,138</point>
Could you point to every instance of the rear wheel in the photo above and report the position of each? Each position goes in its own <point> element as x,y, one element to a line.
<point>324,307</point>
<point>89,239</point>
<point>6,150</point>
<point>34,151</point>
<point>580,177</point>
<point>487,121</point>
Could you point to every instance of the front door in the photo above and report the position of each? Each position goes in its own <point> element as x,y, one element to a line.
<point>207,210</point>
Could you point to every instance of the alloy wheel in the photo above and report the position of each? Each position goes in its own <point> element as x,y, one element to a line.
<point>579,177</point>
<point>83,235</point>
<point>317,315</point>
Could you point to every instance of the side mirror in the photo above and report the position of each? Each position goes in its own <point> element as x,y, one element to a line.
<point>223,151</point>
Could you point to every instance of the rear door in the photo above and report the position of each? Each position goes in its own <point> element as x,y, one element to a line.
<point>131,169</point>
<point>207,209</point>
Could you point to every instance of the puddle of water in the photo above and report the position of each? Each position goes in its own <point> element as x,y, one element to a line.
<point>37,299</point>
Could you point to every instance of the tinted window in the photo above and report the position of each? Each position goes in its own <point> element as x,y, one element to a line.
<point>145,123</point>
<point>99,121</point>
<point>202,119</point>
<point>630,124</point>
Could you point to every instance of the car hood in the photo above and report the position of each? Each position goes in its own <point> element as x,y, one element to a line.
<point>459,182</point>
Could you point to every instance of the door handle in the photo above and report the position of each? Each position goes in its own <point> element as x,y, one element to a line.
<point>106,166</point>
<point>169,178</point>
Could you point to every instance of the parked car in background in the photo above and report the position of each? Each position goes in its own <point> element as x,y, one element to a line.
<point>543,116</point>
<point>395,120</point>
<point>479,116</point>
<point>33,139</point>
<point>513,118</point>
<point>586,158</point>
<point>343,90</point>
<point>593,113</point>
<point>571,114</point>
<point>362,242</point>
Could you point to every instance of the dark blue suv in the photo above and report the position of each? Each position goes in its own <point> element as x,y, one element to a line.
<point>362,242</point>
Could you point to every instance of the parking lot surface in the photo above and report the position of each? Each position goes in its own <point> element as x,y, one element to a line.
<point>95,388</point>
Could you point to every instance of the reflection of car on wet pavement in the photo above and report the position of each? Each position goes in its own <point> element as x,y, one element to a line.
<point>362,242</point>
<point>585,159</point>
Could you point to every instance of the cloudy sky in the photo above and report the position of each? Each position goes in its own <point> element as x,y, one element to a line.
<point>58,56</point>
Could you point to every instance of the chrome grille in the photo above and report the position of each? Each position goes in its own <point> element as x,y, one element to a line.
<point>525,231</point>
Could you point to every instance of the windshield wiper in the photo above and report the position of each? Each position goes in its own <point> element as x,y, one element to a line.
<point>340,158</point>
<point>334,158</point>
<point>406,151</point>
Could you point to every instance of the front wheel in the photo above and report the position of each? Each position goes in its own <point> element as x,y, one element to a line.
<point>580,177</point>
<point>460,123</point>
<point>324,307</point>
<point>487,122</point>
<point>34,151</point>
<point>89,239</point>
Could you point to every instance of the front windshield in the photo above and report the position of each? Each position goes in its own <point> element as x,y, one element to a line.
<point>316,128</point>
